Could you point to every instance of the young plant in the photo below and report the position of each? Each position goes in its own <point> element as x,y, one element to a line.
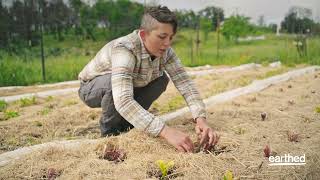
<point>164,167</point>
<point>27,101</point>
<point>3,105</point>
<point>292,136</point>
<point>267,151</point>
<point>49,98</point>
<point>52,174</point>
<point>263,116</point>
<point>70,102</point>
<point>8,114</point>
<point>44,111</point>
<point>111,153</point>
<point>38,123</point>
<point>317,109</point>
<point>228,175</point>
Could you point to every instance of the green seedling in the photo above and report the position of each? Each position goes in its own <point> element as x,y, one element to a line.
<point>164,167</point>
<point>27,101</point>
<point>70,102</point>
<point>317,109</point>
<point>3,105</point>
<point>45,111</point>
<point>240,131</point>
<point>8,114</point>
<point>49,98</point>
<point>228,175</point>
<point>37,123</point>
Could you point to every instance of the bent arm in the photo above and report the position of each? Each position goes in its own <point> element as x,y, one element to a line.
<point>184,85</point>
<point>123,62</point>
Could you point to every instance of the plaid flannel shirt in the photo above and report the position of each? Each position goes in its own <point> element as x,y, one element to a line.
<point>131,66</point>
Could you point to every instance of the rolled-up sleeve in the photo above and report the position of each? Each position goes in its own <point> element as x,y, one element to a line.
<point>123,63</point>
<point>184,85</point>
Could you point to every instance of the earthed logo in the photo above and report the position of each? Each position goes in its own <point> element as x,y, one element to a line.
<point>287,160</point>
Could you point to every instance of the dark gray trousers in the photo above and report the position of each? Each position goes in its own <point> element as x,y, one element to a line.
<point>98,93</point>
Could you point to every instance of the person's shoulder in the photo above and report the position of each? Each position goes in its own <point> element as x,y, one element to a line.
<point>129,42</point>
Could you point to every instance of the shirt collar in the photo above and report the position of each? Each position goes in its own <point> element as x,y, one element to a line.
<point>144,52</point>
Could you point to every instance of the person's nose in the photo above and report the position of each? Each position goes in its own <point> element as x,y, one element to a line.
<point>167,42</point>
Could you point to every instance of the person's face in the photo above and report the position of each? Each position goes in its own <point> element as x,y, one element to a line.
<point>158,40</point>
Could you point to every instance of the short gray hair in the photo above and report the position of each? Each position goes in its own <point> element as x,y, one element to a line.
<point>160,14</point>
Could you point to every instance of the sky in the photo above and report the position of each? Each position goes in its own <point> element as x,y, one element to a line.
<point>273,10</point>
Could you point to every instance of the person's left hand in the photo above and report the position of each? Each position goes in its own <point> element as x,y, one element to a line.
<point>207,136</point>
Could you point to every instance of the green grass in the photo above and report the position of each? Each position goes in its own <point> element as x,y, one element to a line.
<point>44,111</point>
<point>27,101</point>
<point>8,114</point>
<point>3,105</point>
<point>64,60</point>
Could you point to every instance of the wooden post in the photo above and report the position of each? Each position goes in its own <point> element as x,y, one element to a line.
<point>198,38</point>
<point>218,35</point>
<point>191,51</point>
<point>41,41</point>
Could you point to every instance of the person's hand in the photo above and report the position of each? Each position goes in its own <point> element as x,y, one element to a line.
<point>178,139</point>
<point>207,136</point>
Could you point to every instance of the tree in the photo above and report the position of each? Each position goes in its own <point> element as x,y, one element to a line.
<point>235,27</point>
<point>57,17</point>
<point>213,14</point>
<point>5,22</point>
<point>187,19</point>
<point>298,20</point>
<point>273,27</point>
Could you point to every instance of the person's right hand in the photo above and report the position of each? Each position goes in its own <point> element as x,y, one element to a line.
<point>178,139</point>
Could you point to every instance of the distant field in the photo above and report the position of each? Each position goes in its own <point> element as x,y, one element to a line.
<point>64,60</point>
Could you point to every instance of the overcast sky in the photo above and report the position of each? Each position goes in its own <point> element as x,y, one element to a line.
<point>273,10</point>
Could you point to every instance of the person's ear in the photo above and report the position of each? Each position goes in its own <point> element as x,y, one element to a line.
<point>143,34</point>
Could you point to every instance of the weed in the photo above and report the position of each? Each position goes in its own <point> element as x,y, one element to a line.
<point>317,109</point>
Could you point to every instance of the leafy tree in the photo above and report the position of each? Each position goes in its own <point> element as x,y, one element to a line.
<point>235,27</point>
<point>298,20</point>
<point>214,14</point>
<point>187,19</point>
<point>5,22</point>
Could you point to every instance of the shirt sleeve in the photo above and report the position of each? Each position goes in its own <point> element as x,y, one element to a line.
<point>123,63</point>
<point>184,85</point>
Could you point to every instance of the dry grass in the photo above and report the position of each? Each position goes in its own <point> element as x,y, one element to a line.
<point>245,157</point>
<point>66,117</point>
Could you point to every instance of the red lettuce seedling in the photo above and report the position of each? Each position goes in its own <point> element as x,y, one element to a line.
<point>293,137</point>
<point>267,151</point>
<point>52,174</point>
<point>113,154</point>
<point>263,116</point>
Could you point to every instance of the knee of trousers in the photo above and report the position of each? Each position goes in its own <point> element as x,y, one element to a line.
<point>165,82</point>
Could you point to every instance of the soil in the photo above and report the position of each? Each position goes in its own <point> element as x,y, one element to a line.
<point>290,109</point>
